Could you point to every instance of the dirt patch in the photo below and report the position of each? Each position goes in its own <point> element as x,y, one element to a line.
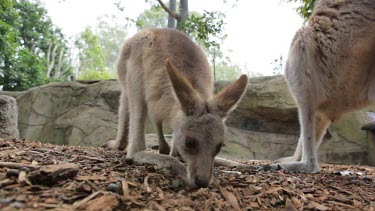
<point>35,176</point>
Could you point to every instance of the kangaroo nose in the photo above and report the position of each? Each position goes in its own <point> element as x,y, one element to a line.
<point>202,183</point>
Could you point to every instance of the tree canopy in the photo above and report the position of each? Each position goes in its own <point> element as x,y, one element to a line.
<point>206,29</point>
<point>98,48</point>
<point>33,50</point>
<point>306,7</point>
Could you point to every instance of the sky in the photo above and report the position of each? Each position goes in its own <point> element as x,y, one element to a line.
<point>259,31</point>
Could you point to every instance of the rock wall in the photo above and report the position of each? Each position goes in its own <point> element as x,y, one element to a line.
<point>70,113</point>
<point>8,118</point>
<point>264,126</point>
<point>266,123</point>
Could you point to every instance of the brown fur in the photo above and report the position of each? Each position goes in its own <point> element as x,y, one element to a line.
<point>330,71</point>
<point>166,76</point>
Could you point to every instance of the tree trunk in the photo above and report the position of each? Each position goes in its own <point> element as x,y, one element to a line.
<point>57,72</point>
<point>184,11</point>
<point>51,64</point>
<point>171,19</point>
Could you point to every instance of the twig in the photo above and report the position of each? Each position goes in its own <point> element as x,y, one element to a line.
<point>342,190</point>
<point>13,165</point>
<point>92,185</point>
<point>126,193</point>
<point>170,12</point>
<point>341,204</point>
<point>125,189</point>
<point>145,183</point>
<point>348,192</point>
<point>78,204</point>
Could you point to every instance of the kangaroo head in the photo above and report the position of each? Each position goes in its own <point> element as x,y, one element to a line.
<point>199,128</point>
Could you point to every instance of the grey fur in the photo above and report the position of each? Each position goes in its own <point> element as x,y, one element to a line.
<point>330,71</point>
<point>166,76</point>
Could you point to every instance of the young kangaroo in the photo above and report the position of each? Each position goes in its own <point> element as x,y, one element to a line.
<point>166,76</point>
<point>330,71</point>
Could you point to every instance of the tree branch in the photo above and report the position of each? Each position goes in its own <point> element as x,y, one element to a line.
<point>52,63</point>
<point>59,64</point>
<point>170,12</point>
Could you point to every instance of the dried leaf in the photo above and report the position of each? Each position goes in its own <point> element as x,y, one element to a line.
<point>274,189</point>
<point>230,198</point>
<point>254,204</point>
<point>105,202</point>
<point>296,202</point>
<point>314,205</point>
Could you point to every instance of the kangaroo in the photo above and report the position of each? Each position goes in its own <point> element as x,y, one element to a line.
<point>166,76</point>
<point>330,71</point>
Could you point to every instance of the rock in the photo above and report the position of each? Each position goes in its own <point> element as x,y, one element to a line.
<point>266,124</point>
<point>115,187</point>
<point>8,118</point>
<point>70,113</point>
<point>266,106</point>
<point>263,126</point>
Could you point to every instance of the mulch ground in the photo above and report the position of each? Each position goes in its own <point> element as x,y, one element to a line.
<point>36,176</point>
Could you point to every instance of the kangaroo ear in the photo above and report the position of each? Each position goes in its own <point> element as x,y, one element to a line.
<point>227,99</point>
<point>185,93</point>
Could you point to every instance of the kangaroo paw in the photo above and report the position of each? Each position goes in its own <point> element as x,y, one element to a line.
<point>292,167</point>
<point>113,144</point>
<point>164,149</point>
<point>286,160</point>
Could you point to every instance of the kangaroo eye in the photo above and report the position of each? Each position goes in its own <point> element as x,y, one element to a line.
<point>191,143</point>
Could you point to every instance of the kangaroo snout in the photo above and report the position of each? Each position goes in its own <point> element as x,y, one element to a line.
<point>200,174</point>
<point>202,182</point>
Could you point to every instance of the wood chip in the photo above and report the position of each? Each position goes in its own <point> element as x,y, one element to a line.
<point>314,205</point>
<point>51,174</point>
<point>143,187</point>
<point>22,179</point>
<point>106,202</point>
<point>230,198</point>
<point>13,165</point>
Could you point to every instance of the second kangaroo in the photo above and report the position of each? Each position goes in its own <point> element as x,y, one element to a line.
<point>166,76</point>
<point>330,71</point>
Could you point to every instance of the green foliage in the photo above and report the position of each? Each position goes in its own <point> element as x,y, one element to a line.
<point>95,75</point>
<point>99,49</point>
<point>154,17</point>
<point>306,7</point>
<point>206,29</point>
<point>90,53</point>
<point>111,35</point>
<point>226,71</point>
<point>25,34</point>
